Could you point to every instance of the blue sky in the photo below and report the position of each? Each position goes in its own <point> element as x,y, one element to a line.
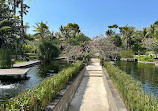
<point>93,16</point>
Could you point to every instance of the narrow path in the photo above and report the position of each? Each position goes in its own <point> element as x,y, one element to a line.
<point>91,94</point>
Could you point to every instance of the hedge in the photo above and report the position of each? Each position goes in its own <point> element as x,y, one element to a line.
<point>131,91</point>
<point>37,98</point>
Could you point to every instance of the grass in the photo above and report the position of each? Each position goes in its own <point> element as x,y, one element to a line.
<point>19,61</point>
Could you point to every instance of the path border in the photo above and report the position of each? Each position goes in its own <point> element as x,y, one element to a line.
<point>63,100</point>
<point>114,99</point>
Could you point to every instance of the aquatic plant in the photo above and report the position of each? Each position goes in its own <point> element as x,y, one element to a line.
<point>133,95</point>
<point>37,98</point>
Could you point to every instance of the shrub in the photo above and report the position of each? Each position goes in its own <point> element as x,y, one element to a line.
<point>127,54</point>
<point>48,51</point>
<point>131,91</point>
<point>101,57</point>
<point>5,58</point>
<point>40,96</point>
<point>149,58</point>
<point>88,56</point>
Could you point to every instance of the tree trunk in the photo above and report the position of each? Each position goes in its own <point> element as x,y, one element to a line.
<point>22,27</point>
<point>16,44</point>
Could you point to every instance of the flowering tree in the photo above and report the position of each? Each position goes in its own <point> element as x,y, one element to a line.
<point>105,46</point>
<point>74,51</point>
<point>151,44</point>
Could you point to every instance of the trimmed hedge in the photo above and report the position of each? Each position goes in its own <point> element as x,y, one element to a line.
<point>37,98</point>
<point>131,91</point>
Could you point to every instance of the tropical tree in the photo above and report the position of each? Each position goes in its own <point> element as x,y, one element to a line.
<point>42,30</point>
<point>6,24</point>
<point>109,33</point>
<point>117,40</point>
<point>127,33</point>
<point>151,44</point>
<point>105,46</point>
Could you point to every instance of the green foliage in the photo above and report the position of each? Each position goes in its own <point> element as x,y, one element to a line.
<point>101,57</point>
<point>5,58</point>
<point>149,58</point>
<point>48,51</point>
<point>127,54</point>
<point>88,57</point>
<point>131,91</point>
<point>40,96</point>
<point>117,41</point>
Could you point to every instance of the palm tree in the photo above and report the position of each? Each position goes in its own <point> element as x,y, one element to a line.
<point>42,30</point>
<point>23,11</point>
<point>127,33</point>
<point>109,33</point>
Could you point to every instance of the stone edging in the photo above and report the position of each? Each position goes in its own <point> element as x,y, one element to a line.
<point>114,99</point>
<point>62,101</point>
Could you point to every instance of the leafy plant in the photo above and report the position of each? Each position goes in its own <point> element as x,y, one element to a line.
<point>127,54</point>
<point>37,98</point>
<point>149,58</point>
<point>5,58</point>
<point>131,91</point>
<point>48,51</point>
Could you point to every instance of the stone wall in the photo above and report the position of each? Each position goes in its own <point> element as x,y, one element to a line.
<point>114,99</point>
<point>61,103</point>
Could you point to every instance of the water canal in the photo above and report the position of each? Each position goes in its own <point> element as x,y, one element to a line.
<point>145,73</point>
<point>37,73</point>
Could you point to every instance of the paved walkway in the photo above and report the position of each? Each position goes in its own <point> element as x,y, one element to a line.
<point>24,64</point>
<point>91,94</point>
<point>18,69</point>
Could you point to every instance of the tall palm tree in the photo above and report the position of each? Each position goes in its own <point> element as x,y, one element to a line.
<point>42,30</point>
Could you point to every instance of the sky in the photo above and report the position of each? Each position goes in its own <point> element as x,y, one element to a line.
<point>93,16</point>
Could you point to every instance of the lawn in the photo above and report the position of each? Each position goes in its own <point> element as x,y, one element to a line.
<point>19,61</point>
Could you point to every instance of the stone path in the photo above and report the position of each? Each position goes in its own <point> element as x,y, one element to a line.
<point>91,94</point>
<point>25,64</point>
<point>18,69</point>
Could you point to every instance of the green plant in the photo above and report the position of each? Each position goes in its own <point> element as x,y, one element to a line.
<point>101,57</point>
<point>40,96</point>
<point>131,91</point>
<point>88,57</point>
<point>127,54</point>
<point>48,51</point>
<point>149,58</point>
<point>5,58</point>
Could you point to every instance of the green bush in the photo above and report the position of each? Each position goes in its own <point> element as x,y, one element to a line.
<point>88,57</point>
<point>5,58</point>
<point>40,96</point>
<point>101,57</point>
<point>131,91</point>
<point>48,51</point>
<point>127,54</point>
<point>149,58</point>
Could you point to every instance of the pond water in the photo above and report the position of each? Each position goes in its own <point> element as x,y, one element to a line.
<point>37,73</point>
<point>147,74</point>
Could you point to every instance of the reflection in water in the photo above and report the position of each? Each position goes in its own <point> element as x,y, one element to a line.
<point>147,74</point>
<point>10,89</point>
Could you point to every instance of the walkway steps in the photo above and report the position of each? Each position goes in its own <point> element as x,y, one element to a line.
<point>91,94</point>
